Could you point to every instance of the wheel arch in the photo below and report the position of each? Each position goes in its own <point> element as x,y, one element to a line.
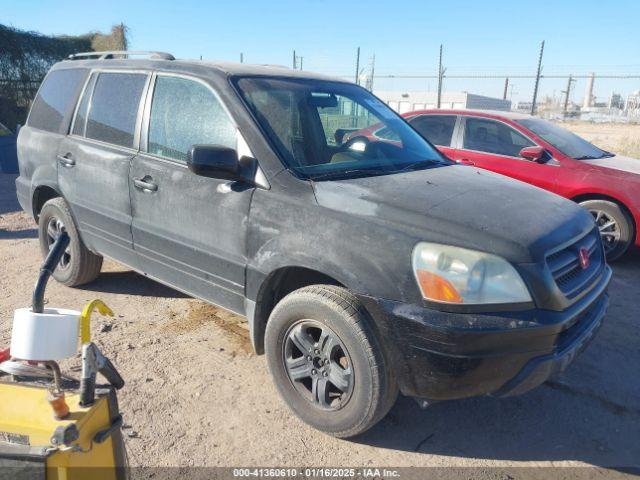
<point>275,286</point>
<point>601,196</point>
<point>41,195</point>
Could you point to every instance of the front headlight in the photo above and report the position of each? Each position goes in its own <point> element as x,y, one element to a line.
<point>447,274</point>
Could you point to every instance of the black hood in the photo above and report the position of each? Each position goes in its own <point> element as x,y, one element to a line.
<point>462,206</point>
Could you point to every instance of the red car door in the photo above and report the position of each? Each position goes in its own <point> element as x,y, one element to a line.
<point>494,145</point>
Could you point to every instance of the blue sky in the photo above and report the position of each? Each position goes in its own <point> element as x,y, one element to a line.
<point>486,36</point>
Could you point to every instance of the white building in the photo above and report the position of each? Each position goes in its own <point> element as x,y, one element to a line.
<point>403,102</point>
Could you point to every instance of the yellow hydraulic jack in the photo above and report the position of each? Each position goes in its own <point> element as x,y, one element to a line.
<point>58,428</point>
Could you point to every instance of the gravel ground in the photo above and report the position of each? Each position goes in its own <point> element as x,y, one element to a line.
<point>197,396</point>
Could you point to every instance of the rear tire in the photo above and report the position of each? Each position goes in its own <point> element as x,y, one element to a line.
<point>78,265</point>
<point>320,335</point>
<point>615,225</point>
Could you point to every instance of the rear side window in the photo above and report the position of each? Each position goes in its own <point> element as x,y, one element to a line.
<point>438,129</point>
<point>56,100</point>
<point>114,108</point>
<point>489,136</point>
<point>186,113</point>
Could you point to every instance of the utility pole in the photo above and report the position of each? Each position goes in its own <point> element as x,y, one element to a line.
<point>295,66</point>
<point>535,88</point>
<point>301,59</point>
<point>373,70</point>
<point>567,92</point>
<point>241,57</point>
<point>358,67</point>
<point>440,76</point>
<point>506,87</point>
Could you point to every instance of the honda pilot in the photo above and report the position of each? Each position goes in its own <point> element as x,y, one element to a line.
<point>364,267</point>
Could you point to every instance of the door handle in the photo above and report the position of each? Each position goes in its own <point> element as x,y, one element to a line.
<point>145,184</point>
<point>66,160</point>
<point>466,161</point>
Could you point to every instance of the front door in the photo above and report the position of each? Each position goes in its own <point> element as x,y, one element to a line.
<point>495,146</point>
<point>94,162</point>
<point>189,231</point>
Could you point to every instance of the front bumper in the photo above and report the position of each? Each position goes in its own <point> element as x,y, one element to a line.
<point>442,356</point>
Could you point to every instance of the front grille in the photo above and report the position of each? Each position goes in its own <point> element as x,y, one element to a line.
<point>565,267</point>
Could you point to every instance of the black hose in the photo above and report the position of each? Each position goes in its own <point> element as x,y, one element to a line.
<point>48,267</point>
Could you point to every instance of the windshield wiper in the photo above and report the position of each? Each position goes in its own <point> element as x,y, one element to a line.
<point>605,154</point>
<point>344,174</point>
<point>418,165</point>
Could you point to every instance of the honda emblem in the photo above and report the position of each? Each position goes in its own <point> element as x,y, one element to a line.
<point>583,257</point>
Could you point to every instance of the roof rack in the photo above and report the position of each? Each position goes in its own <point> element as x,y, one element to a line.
<point>120,54</point>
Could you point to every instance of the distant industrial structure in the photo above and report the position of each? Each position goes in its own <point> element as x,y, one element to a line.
<point>614,108</point>
<point>403,102</point>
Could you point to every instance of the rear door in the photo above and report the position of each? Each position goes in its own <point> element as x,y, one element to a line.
<point>94,161</point>
<point>438,129</point>
<point>189,231</point>
<point>495,145</point>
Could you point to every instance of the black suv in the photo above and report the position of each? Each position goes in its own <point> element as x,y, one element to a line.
<point>363,267</point>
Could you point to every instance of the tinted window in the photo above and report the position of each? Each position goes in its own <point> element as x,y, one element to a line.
<point>81,116</point>
<point>186,113</point>
<point>4,131</point>
<point>56,100</point>
<point>438,129</point>
<point>493,137</point>
<point>114,107</point>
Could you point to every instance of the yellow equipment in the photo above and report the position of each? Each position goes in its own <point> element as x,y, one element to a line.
<point>61,429</point>
<point>86,445</point>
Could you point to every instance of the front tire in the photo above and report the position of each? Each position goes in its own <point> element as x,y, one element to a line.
<point>615,225</point>
<point>326,361</point>
<point>78,264</point>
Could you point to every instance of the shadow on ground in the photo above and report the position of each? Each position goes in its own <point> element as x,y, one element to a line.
<point>590,414</point>
<point>8,200</point>
<point>130,283</point>
<point>18,234</point>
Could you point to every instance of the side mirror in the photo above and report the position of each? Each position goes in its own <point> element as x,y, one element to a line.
<point>535,154</point>
<point>214,161</point>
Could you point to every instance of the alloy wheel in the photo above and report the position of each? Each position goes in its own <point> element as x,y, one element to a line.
<point>318,365</point>
<point>609,229</point>
<point>54,228</point>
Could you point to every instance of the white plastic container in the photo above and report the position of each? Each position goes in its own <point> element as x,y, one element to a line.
<point>51,335</point>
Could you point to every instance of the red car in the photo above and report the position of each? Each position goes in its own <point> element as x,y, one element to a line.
<point>540,153</point>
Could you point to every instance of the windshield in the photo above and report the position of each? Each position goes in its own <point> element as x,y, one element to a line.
<point>321,129</point>
<point>568,143</point>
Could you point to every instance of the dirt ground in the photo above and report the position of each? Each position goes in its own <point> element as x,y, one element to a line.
<point>615,137</point>
<point>196,395</point>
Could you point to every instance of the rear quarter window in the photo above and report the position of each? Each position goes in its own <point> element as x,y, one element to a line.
<point>53,106</point>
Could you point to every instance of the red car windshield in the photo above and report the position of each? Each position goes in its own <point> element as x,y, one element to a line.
<point>568,143</point>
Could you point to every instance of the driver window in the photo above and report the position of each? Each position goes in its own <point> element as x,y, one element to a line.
<point>186,113</point>
<point>490,136</point>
